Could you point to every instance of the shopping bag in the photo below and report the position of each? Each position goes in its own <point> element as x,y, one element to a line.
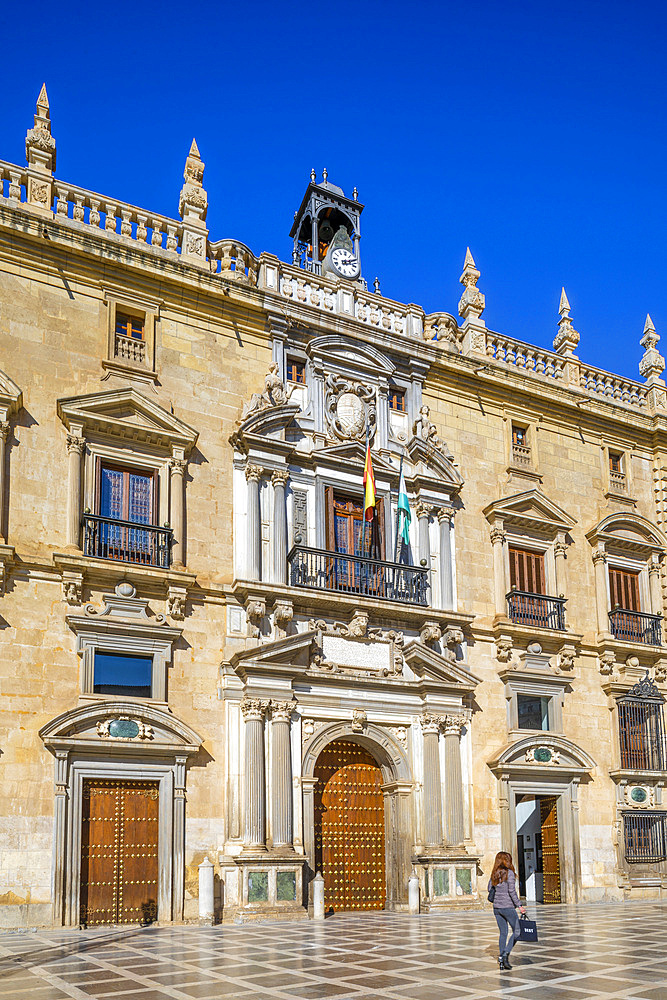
<point>527,930</point>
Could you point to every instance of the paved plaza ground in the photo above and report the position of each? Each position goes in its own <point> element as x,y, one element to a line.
<point>603,950</point>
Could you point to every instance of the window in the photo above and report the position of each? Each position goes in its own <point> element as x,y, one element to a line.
<point>624,589</point>
<point>123,527</point>
<point>641,733</point>
<point>520,447</point>
<point>122,674</point>
<point>130,326</point>
<point>345,527</point>
<point>532,712</point>
<point>527,570</point>
<point>296,371</point>
<point>645,837</point>
<point>519,435</point>
<point>397,400</point>
<point>615,462</point>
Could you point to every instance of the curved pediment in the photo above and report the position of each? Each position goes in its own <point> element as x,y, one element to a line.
<point>339,354</point>
<point>126,413</point>
<point>109,726</point>
<point>11,397</point>
<point>430,462</point>
<point>543,752</point>
<point>530,509</point>
<point>628,530</point>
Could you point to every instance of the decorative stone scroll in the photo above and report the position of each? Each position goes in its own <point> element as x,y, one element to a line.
<point>350,408</point>
<point>124,728</point>
<point>354,648</point>
<point>276,393</point>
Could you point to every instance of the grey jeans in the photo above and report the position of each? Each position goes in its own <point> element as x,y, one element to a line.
<point>507,920</point>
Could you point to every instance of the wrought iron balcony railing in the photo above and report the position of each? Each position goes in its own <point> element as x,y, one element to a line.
<point>323,570</point>
<point>524,608</point>
<point>126,541</point>
<point>635,626</point>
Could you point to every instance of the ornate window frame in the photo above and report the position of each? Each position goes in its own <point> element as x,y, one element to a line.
<point>120,300</point>
<point>11,401</point>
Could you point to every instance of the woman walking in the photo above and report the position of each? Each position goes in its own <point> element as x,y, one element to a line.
<point>502,890</point>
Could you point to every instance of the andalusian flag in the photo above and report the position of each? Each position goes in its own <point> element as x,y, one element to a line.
<point>369,485</point>
<point>404,516</point>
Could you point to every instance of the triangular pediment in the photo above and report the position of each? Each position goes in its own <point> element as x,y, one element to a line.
<point>127,414</point>
<point>429,664</point>
<point>353,455</point>
<point>294,650</point>
<point>429,461</point>
<point>530,509</point>
<point>11,397</point>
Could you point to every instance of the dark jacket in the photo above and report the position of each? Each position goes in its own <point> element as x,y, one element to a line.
<point>506,897</point>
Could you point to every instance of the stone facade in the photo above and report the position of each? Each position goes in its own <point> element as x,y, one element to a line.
<point>245,402</point>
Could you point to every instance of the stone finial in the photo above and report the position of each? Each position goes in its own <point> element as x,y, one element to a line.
<point>652,363</point>
<point>40,146</point>
<point>472,302</point>
<point>192,207</point>
<point>567,338</point>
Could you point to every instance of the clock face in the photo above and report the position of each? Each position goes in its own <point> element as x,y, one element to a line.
<point>345,263</point>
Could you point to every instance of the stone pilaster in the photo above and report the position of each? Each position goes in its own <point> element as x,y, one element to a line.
<point>177,466</point>
<point>454,820</point>
<point>432,783</point>
<point>254,839</point>
<point>281,775</point>
<point>654,584</point>
<point>253,474</point>
<point>75,448</point>
<point>279,479</point>
<point>445,520</point>
<point>5,428</point>
<point>600,563</point>
<point>423,512</point>
<point>497,541</point>
<point>560,556</point>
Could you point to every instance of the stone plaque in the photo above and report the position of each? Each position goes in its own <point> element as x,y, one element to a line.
<point>126,729</point>
<point>365,655</point>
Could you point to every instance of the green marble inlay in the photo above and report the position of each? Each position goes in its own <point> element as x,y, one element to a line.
<point>286,886</point>
<point>638,795</point>
<point>125,728</point>
<point>542,754</point>
<point>258,887</point>
<point>440,881</point>
<point>464,881</point>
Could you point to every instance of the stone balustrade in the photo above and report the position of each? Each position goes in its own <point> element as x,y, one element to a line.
<point>524,356</point>
<point>233,259</point>
<point>621,390</point>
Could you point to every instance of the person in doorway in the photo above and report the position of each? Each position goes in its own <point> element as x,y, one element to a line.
<point>505,904</point>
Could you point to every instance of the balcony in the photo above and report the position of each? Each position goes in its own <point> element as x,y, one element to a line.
<point>536,610</point>
<point>126,541</point>
<point>635,626</point>
<point>323,570</point>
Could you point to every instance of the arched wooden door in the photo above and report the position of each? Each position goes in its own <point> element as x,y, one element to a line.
<point>349,828</point>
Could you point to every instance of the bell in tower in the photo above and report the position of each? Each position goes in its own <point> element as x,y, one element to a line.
<point>326,231</point>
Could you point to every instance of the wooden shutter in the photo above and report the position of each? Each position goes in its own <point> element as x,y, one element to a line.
<point>329,506</point>
<point>624,589</point>
<point>527,570</point>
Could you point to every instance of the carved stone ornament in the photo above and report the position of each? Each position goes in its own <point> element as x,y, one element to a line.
<point>283,613</point>
<point>356,629</point>
<point>652,363</point>
<point>176,602</point>
<point>359,720</point>
<point>565,658</point>
<point>124,729</point>
<point>281,711</point>
<point>639,796</point>
<point>431,723</point>
<point>472,302</point>
<point>424,429</point>
<point>453,725</point>
<point>350,408</point>
<point>608,664</point>
<point>504,649</point>
<point>73,588</point>
<point>451,639</point>
<point>430,632</point>
<point>254,709</point>
<point>276,393</point>
<point>567,338</point>
<point>309,727</point>
<point>255,612</point>
<point>400,734</point>
<point>544,755</point>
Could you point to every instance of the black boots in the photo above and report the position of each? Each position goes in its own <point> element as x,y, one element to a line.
<point>504,962</point>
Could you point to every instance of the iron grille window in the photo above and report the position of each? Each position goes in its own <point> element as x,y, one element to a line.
<point>641,727</point>
<point>645,836</point>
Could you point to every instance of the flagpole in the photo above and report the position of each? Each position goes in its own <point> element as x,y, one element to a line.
<point>363,526</point>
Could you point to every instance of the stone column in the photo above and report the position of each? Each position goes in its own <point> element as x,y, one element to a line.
<point>432,784</point>
<point>497,541</point>
<point>5,428</point>
<point>75,447</point>
<point>423,512</point>
<point>454,821</point>
<point>600,563</point>
<point>253,474</point>
<point>255,785</point>
<point>654,583</point>
<point>279,480</point>
<point>560,552</point>
<point>445,519</point>
<point>177,467</point>
<point>281,774</point>
<point>178,842</point>
<point>60,837</point>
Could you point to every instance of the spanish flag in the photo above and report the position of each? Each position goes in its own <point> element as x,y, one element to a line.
<point>369,485</point>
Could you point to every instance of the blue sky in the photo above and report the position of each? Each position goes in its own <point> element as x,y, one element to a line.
<point>533,132</point>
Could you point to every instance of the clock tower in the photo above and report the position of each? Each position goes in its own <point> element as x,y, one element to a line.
<point>326,230</point>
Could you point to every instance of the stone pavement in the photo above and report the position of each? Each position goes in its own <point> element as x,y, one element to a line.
<point>605,950</point>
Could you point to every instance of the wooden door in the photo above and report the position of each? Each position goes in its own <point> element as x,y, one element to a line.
<point>527,570</point>
<point>624,589</point>
<point>550,858</point>
<point>119,852</point>
<point>349,828</point>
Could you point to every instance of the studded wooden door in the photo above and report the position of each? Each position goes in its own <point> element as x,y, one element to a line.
<point>119,852</point>
<point>550,859</point>
<point>349,828</point>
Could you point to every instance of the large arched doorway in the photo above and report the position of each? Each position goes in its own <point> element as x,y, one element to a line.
<point>350,827</point>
